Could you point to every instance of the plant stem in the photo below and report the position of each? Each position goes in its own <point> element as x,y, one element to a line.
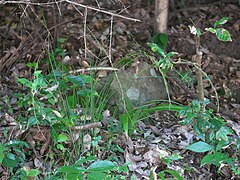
<point>198,59</point>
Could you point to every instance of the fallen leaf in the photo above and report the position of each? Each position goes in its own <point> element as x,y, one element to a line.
<point>87,142</point>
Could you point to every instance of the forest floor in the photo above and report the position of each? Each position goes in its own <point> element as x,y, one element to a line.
<point>27,35</point>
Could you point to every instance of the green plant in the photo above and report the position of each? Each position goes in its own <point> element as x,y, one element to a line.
<point>11,154</point>
<point>213,135</point>
<point>130,118</point>
<point>160,39</point>
<point>175,174</point>
<point>89,168</point>
<point>163,64</point>
<point>134,114</point>
<point>45,93</point>
<point>168,159</point>
<point>59,101</point>
<point>25,173</point>
<point>13,157</point>
<point>222,34</point>
<point>211,130</point>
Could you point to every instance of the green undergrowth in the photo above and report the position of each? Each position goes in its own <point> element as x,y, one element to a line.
<point>60,102</point>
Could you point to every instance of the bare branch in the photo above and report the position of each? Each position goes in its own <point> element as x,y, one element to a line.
<point>94,69</point>
<point>70,2</point>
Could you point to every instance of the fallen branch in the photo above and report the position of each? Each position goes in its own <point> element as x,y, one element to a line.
<point>70,2</point>
<point>83,127</point>
<point>94,69</point>
<point>87,126</point>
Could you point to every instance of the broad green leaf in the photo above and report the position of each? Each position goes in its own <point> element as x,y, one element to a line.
<point>32,172</point>
<point>86,78</point>
<point>2,149</point>
<point>62,138</point>
<point>32,121</point>
<point>200,147</point>
<point>11,156</point>
<point>32,65</point>
<point>51,101</point>
<point>160,39</point>
<point>222,133</point>
<point>123,168</point>
<point>175,157</point>
<point>223,34</point>
<point>24,82</point>
<point>172,172</point>
<point>60,146</point>
<point>212,30</point>
<point>221,144</point>
<point>55,73</point>
<point>221,21</point>
<point>215,159</point>
<point>83,160</point>
<point>76,80</point>
<point>155,48</point>
<point>87,93</point>
<point>71,169</point>
<point>37,73</point>
<point>14,143</point>
<point>216,123</point>
<point>73,176</point>
<point>9,162</point>
<point>104,165</point>
<point>96,176</point>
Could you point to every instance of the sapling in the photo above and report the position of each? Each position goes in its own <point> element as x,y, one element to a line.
<point>223,35</point>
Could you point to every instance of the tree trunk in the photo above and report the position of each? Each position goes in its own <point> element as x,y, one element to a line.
<point>161,16</point>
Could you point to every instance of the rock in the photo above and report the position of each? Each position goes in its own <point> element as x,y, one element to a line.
<point>140,88</point>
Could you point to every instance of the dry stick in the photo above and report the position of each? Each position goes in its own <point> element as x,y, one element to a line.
<point>87,126</point>
<point>83,127</point>
<point>84,34</point>
<point>31,3</point>
<point>59,9</point>
<point>76,4</point>
<point>70,2</point>
<point>198,60</point>
<point>94,69</point>
<point>102,11</point>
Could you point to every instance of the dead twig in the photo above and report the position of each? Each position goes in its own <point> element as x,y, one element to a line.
<point>83,127</point>
<point>87,126</point>
<point>94,69</point>
<point>70,2</point>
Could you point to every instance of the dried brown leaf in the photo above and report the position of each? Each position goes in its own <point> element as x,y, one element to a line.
<point>87,142</point>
